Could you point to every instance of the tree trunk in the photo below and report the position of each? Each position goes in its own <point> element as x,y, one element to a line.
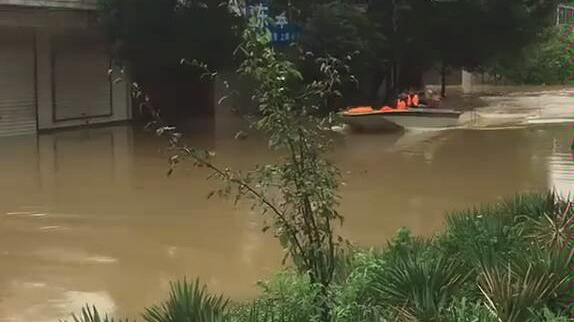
<point>377,79</point>
<point>389,85</point>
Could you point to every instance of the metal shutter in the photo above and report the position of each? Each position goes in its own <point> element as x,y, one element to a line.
<point>17,83</point>
<point>81,80</point>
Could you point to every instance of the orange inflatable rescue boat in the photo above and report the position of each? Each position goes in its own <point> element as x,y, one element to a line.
<point>388,118</point>
<point>368,110</point>
<point>367,118</point>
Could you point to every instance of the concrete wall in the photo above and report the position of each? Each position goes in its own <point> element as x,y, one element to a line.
<point>459,79</point>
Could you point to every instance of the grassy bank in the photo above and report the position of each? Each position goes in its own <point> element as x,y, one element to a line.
<point>510,261</point>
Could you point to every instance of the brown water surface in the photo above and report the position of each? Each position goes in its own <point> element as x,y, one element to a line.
<point>89,215</point>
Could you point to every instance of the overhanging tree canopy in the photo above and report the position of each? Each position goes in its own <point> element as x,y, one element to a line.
<point>458,33</point>
<point>403,39</point>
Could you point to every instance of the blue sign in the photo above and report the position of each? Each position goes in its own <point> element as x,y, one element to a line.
<point>282,31</point>
<point>283,35</point>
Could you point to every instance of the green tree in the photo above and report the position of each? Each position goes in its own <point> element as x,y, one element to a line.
<point>459,33</point>
<point>162,32</point>
<point>299,194</point>
<point>338,28</point>
<point>546,61</point>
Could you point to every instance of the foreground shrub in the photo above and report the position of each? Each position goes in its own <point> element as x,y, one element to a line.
<point>290,297</point>
<point>188,302</point>
<point>483,236</point>
<point>463,310</point>
<point>418,282</point>
<point>350,295</point>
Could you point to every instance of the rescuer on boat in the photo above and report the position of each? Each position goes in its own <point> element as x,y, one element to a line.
<point>404,101</point>
<point>407,100</point>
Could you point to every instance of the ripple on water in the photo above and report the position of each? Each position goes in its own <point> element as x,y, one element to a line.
<point>47,303</point>
<point>74,301</point>
<point>73,256</point>
<point>550,120</point>
<point>561,173</point>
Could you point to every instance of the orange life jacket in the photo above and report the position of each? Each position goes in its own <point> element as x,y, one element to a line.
<point>409,101</point>
<point>416,100</point>
<point>359,110</point>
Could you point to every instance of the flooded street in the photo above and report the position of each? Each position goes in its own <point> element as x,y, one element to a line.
<point>89,216</point>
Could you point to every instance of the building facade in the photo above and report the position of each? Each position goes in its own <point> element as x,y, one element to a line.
<point>55,68</point>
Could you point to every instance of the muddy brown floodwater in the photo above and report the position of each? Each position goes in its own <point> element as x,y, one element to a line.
<point>88,216</point>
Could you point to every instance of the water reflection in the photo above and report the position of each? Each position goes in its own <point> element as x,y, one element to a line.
<point>89,215</point>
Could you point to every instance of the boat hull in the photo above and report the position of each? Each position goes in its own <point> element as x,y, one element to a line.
<point>368,122</point>
<point>423,118</point>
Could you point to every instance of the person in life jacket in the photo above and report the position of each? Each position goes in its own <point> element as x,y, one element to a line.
<point>402,102</point>
<point>413,100</point>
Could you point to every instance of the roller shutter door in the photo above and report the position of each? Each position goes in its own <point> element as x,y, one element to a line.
<point>17,83</point>
<point>81,80</point>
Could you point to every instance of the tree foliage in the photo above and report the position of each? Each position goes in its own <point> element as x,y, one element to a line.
<point>396,40</point>
<point>459,33</point>
<point>547,61</point>
<point>337,29</point>
<point>298,195</point>
<point>162,32</point>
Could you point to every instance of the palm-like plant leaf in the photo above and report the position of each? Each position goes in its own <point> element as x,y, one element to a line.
<point>91,314</point>
<point>481,236</point>
<point>418,285</point>
<point>533,206</point>
<point>538,279</point>
<point>553,229</point>
<point>188,302</point>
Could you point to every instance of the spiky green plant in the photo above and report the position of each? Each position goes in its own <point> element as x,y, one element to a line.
<point>553,229</point>
<point>484,236</point>
<point>418,282</point>
<point>549,269</point>
<point>91,314</point>
<point>539,279</point>
<point>531,205</point>
<point>188,302</point>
